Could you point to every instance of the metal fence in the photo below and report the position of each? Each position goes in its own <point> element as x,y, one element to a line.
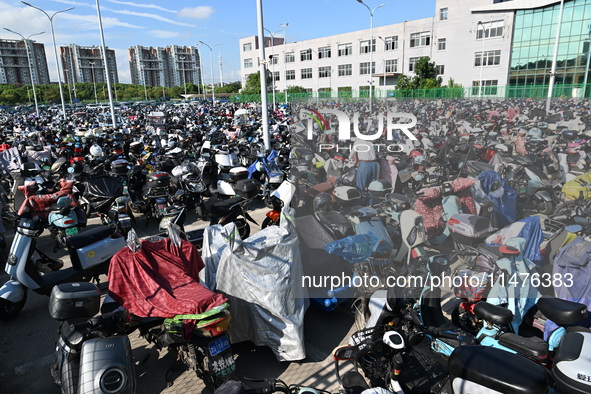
<point>529,91</point>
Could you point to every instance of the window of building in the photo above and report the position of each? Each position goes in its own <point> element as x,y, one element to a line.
<point>276,76</point>
<point>443,14</point>
<point>306,54</point>
<point>289,57</point>
<point>290,75</point>
<point>247,47</point>
<point>345,70</point>
<point>411,63</point>
<point>490,29</point>
<point>324,53</point>
<point>247,63</point>
<point>488,87</point>
<point>364,68</point>
<point>364,46</point>
<point>306,73</point>
<point>490,58</point>
<point>441,44</point>
<point>273,59</point>
<point>439,69</point>
<point>324,72</point>
<point>420,39</point>
<point>345,49</point>
<point>392,66</point>
<point>391,43</point>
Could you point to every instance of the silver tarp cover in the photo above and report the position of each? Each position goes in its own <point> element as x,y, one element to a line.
<point>261,275</point>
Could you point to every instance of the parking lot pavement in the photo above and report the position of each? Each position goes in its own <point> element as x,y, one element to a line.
<point>27,344</point>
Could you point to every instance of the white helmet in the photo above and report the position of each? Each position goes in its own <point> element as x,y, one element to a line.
<point>96,150</point>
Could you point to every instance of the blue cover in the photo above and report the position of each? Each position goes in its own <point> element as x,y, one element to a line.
<point>532,232</point>
<point>504,207</point>
<point>354,248</point>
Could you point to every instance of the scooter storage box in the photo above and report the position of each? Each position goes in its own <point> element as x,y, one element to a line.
<point>572,363</point>
<point>247,188</point>
<point>347,196</point>
<point>480,369</point>
<point>238,173</point>
<point>468,229</point>
<point>158,179</point>
<point>72,300</point>
<point>120,166</point>
<point>106,366</point>
<point>93,247</point>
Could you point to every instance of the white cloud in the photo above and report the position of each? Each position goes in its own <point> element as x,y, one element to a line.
<point>199,12</point>
<point>140,5</point>
<point>165,33</point>
<point>148,15</point>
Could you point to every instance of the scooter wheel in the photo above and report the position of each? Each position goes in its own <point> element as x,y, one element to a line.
<point>545,207</point>
<point>9,309</point>
<point>267,200</point>
<point>361,311</point>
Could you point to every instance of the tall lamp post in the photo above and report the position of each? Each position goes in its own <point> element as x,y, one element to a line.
<point>554,57</point>
<point>29,60</point>
<point>272,58</point>
<point>211,60</point>
<point>588,58</point>
<point>284,27</point>
<point>59,77</point>
<point>371,47</point>
<point>93,81</point>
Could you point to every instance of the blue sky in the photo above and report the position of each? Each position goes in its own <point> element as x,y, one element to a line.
<point>183,22</point>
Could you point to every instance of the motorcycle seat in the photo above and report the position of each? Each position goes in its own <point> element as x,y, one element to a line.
<point>492,313</point>
<point>222,207</point>
<point>89,237</point>
<point>479,166</point>
<point>562,312</point>
<point>336,221</point>
<point>497,369</point>
<point>524,160</point>
<point>353,382</point>
<point>534,347</point>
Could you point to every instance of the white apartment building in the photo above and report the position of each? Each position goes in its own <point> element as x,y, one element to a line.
<point>465,45</point>
<point>85,64</point>
<point>15,61</point>
<point>168,66</point>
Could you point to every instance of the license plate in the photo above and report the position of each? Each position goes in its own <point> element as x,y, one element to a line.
<point>162,207</point>
<point>219,345</point>
<point>71,231</point>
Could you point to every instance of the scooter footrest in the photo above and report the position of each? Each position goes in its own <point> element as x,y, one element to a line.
<point>534,348</point>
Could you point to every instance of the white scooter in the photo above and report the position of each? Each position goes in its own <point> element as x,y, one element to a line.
<point>90,253</point>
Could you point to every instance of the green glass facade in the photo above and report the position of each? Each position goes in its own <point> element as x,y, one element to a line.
<point>534,35</point>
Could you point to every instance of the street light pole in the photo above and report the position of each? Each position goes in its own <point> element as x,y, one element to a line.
<point>211,61</point>
<point>106,64</point>
<point>272,57</point>
<point>221,74</point>
<point>371,46</point>
<point>29,60</point>
<point>284,27</point>
<point>59,77</point>
<point>93,81</point>
<point>481,58</point>
<point>263,74</point>
<point>555,57</point>
<point>588,58</point>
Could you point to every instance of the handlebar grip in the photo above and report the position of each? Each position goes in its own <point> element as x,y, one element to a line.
<point>415,318</point>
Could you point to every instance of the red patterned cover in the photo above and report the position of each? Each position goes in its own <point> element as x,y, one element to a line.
<point>430,206</point>
<point>41,205</point>
<point>461,187</point>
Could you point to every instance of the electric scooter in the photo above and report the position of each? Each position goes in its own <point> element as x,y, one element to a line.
<point>90,253</point>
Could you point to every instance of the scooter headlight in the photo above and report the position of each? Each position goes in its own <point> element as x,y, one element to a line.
<point>113,381</point>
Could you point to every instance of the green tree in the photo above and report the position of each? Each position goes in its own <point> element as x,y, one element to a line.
<point>425,76</point>
<point>232,87</point>
<point>296,89</point>
<point>253,83</point>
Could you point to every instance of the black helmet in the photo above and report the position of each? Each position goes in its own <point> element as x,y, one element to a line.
<point>322,202</point>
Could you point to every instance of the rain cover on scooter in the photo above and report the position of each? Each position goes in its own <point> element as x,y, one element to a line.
<point>41,205</point>
<point>354,248</point>
<point>505,202</point>
<point>160,280</point>
<point>573,259</point>
<point>430,205</point>
<point>517,292</point>
<point>573,188</point>
<point>102,191</point>
<point>261,275</point>
<point>530,229</point>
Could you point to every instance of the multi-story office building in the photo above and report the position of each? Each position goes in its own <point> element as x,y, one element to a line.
<point>14,62</point>
<point>495,42</point>
<point>165,66</point>
<point>85,64</point>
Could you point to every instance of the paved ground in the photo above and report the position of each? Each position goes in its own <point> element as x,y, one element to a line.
<point>27,346</point>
